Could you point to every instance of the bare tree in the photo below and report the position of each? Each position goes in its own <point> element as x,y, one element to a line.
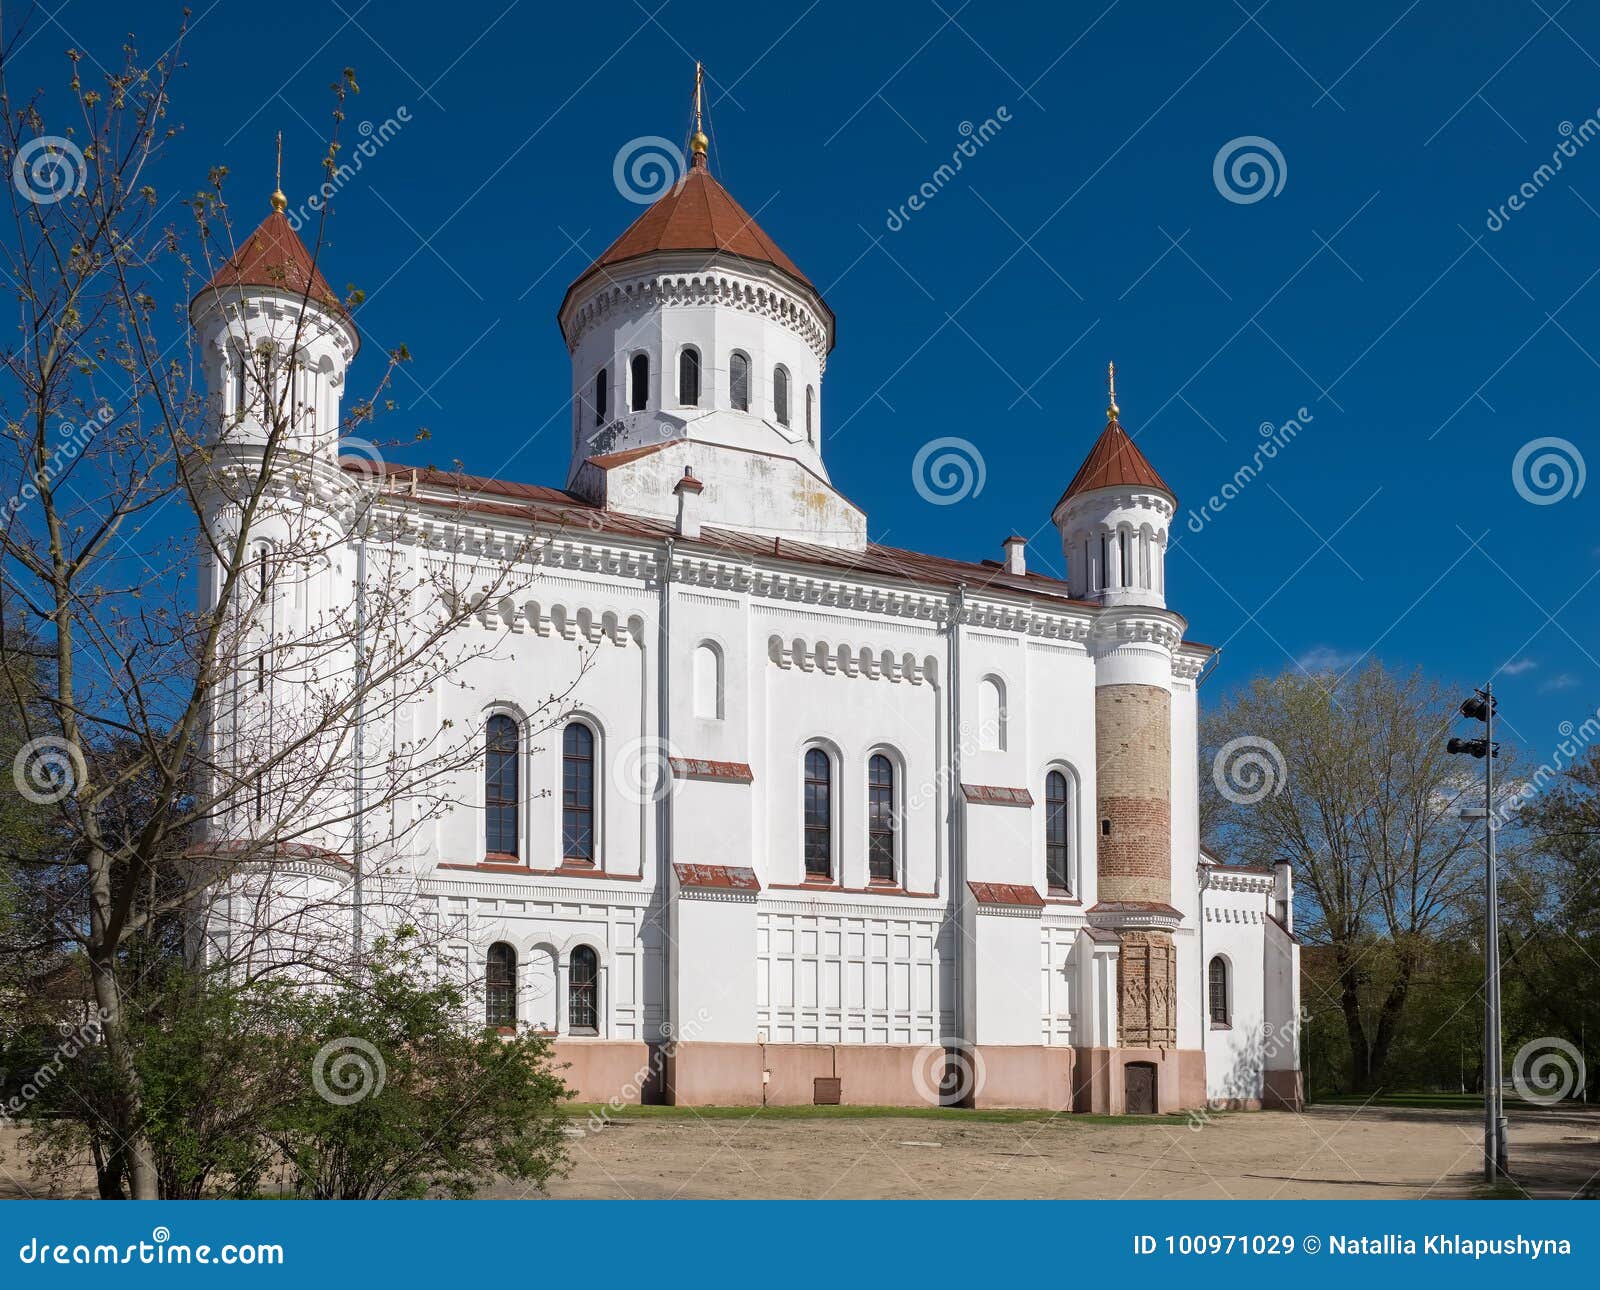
<point>1352,785</point>
<point>232,718</point>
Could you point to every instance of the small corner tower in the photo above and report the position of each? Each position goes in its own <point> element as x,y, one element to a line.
<point>275,343</point>
<point>1114,519</point>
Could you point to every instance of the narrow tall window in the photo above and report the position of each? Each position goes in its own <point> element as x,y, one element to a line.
<point>583,992</point>
<point>811,414</point>
<point>266,618</point>
<point>240,401</point>
<point>880,819</point>
<point>1127,562</point>
<point>500,788</point>
<point>689,377</point>
<point>641,381</point>
<point>780,394</point>
<point>601,383</point>
<point>739,382</point>
<point>1057,841</point>
<point>500,986</point>
<point>1217,980</point>
<point>819,814</point>
<point>577,793</point>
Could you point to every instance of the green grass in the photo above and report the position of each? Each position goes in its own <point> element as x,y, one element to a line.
<point>953,1115</point>
<point>1420,1101</point>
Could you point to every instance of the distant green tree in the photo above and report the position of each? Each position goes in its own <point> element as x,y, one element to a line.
<point>1363,801</point>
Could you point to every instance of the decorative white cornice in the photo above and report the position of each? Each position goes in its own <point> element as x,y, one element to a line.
<point>619,294</point>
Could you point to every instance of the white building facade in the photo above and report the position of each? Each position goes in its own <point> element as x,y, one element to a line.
<point>759,811</point>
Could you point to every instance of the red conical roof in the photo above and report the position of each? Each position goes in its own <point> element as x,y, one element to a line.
<point>1115,460</point>
<point>696,214</point>
<point>275,257</point>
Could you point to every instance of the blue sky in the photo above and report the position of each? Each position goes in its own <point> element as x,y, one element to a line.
<point>1370,290</point>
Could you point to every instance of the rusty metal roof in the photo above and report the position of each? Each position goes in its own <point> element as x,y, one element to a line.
<point>1114,461</point>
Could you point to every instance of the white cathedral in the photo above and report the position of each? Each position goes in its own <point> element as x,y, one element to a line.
<point>749,808</point>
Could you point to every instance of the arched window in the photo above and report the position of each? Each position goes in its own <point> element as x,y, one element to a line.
<point>780,394</point>
<point>583,991</point>
<point>819,814</point>
<point>739,382</point>
<point>1217,992</point>
<point>880,819</point>
<point>1057,834</point>
<point>640,379</point>
<point>500,985</point>
<point>500,793</point>
<point>708,681</point>
<point>991,714</point>
<point>689,377</point>
<point>241,399</point>
<point>577,793</point>
<point>811,414</point>
<point>601,383</point>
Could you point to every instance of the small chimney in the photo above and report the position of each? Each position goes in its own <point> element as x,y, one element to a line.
<point>1016,555</point>
<point>688,490</point>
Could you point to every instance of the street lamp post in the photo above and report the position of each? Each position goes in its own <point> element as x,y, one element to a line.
<point>1481,708</point>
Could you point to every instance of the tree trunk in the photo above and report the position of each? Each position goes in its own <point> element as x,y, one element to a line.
<point>1350,1005</point>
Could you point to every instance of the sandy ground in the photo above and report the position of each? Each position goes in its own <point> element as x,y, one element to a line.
<point>1326,1152</point>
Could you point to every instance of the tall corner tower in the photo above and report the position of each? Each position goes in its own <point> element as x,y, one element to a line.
<point>1114,519</point>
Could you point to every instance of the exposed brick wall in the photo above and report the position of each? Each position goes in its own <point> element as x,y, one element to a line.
<point>1133,758</point>
<point>1147,990</point>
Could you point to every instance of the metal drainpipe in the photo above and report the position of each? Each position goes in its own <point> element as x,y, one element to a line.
<point>358,837</point>
<point>664,805</point>
<point>958,858</point>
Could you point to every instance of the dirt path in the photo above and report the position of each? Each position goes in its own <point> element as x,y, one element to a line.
<point>1376,1152</point>
<point>1327,1152</point>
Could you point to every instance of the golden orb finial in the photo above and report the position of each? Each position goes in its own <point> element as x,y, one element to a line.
<point>698,143</point>
<point>280,203</point>
<point>1111,382</point>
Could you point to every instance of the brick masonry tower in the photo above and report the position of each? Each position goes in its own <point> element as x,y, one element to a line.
<point>1114,519</point>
